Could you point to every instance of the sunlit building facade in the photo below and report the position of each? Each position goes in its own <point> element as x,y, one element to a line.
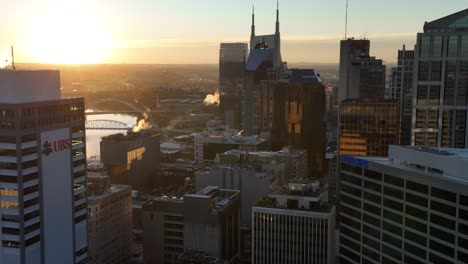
<point>299,117</point>
<point>43,205</point>
<point>368,126</point>
<point>441,83</point>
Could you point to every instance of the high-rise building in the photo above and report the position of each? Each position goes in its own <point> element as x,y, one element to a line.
<point>294,224</point>
<point>440,86</point>
<point>349,50</point>
<point>232,58</point>
<point>262,70</point>
<point>402,90</point>
<point>109,219</point>
<point>43,206</point>
<point>132,159</point>
<point>206,221</point>
<point>411,207</point>
<point>360,74</point>
<point>367,126</point>
<point>299,117</point>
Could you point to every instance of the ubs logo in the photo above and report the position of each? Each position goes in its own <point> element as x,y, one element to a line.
<point>56,146</point>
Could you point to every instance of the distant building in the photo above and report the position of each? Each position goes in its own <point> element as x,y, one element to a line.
<point>367,126</point>
<point>132,159</point>
<point>402,90</point>
<point>299,117</point>
<point>206,221</point>
<point>109,219</point>
<point>210,143</point>
<point>440,87</point>
<point>42,170</point>
<point>411,207</point>
<point>232,58</point>
<point>263,67</point>
<point>294,224</point>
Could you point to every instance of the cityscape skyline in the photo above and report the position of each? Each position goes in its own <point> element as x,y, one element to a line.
<point>159,35</point>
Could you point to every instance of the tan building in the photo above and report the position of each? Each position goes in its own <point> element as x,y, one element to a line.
<point>109,220</point>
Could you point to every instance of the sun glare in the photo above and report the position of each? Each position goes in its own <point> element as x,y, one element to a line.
<point>68,32</point>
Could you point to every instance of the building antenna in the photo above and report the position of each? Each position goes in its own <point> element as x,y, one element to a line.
<point>13,59</point>
<point>346,22</point>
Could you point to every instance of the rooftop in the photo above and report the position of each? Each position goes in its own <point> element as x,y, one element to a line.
<point>299,76</point>
<point>221,198</point>
<point>199,257</point>
<point>114,188</point>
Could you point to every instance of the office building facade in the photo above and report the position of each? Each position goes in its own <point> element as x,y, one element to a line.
<point>402,91</point>
<point>349,50</point>
<point>42,171</point>
<point>294,224</point>
<point>409,208</point>
<point>440,81</point>
<point>109,220</point>
<point>232,58</point>
<point>367,126</point>
<point>299,117</point>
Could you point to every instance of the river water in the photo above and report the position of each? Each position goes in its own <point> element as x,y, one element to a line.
<point>93,137</point>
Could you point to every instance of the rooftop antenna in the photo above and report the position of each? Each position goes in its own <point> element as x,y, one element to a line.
<point>346,22</point>
<point>13,59</point>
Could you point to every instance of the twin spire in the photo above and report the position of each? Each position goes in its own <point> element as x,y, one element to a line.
<point>253,19</point>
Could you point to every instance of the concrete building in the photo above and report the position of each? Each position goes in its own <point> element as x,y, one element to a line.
<point>263,67</point>
<point>132,159</point>
<point>349,50</point>
<point>294,224</point>
<point>206,221</point>
<point>411,207</point>
<point>299,117</point>
<point>43,207</point>
<point>109,219</point>
<point>232,58</point>
<point>440,83</point>
<point>367,126</point>
<point>402,90</point>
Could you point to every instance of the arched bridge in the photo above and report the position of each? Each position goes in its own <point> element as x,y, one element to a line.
<point>144,112</point>
<point>102,124</point>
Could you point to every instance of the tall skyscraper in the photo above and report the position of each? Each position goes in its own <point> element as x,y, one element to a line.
<point>360,74</point>
<point>294,224</point>
<point>367,126</point>
<point>441,83</point>
<point>232,58</point>
<point>349,50</point>
<point>411,207</point>
<point>262,70</point>
<point>402,91</point>
<point>299,117</point>
<point>43,206</point>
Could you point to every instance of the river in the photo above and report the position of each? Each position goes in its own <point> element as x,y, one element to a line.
<point>93,137</point>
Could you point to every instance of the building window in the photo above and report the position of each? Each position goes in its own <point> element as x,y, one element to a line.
<point>425,44</point>
<point>464,46</point>
<point>437,46</point>
<point>423,74</point>
<point>452,48</point>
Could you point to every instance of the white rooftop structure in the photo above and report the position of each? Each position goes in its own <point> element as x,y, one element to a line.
<point>20,86</point>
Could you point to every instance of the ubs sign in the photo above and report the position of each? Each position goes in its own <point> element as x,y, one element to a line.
<point>55,146</point>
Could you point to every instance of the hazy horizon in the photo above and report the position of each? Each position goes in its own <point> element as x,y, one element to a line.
<point>189,32</point>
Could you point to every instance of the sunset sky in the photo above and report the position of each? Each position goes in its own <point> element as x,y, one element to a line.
<point>189,31</point>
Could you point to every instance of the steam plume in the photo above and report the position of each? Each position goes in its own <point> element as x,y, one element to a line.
<point>212,99</point>
<point>5,59</point>
<point>143,124</point>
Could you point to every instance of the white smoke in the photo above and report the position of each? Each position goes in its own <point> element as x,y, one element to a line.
<point>5,59</point>
<point>142,124</point>
<point>212,99</point>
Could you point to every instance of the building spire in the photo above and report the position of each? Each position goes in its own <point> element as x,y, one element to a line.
<point>252,29</point>
<point>277,16</point>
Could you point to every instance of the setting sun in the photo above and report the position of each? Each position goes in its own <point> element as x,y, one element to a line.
<point>68,33</point>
